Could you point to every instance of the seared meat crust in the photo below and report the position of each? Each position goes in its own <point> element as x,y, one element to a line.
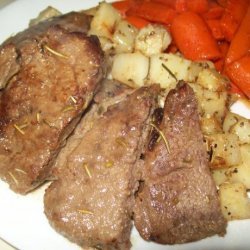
<point>59,72</point>
<point>178,201</point>
<point>91,202</point>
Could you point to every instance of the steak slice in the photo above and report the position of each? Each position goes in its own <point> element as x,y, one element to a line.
<point>177,201</point>
<point>91,202</point>
<point>42,103</point>
<point>109,93</point>
<point>9,66</point>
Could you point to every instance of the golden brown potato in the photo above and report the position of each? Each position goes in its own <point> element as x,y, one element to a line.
<point>212,80</point>
<point>152,39</point>
<point>238,125</point>
<point>225,150</point>
<point>124,37</point>
<point>130,68</point>
<point>210,103</point>
<point>104,21</point>
<point>210,125</point>
<point>238,173</point>
<point>235,204</point>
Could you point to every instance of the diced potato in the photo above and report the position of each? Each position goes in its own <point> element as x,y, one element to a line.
<point>225,150</point>
<point>44,15</point>
<point>241,173</point>
<point>162,64</point>
<point>210,125</point>
<point>219,176</point>
<point>152,39</point>
<point>242,129</point>
<point>104,21</point>
<point>238,125</point>
<point>107,45</point>
<point>210,103</point>
<point>130,68</point>
<point>210,79</point>
<point>124,37</point>
<point>229,121</point>
<point>235,204</point>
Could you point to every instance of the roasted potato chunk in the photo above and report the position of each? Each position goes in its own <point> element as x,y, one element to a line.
<point>225,150</point>
<point>130,68</point>
<point>235,204</point>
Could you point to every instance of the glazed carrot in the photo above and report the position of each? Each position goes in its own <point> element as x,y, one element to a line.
<point>215,28</point>
<point>234,13</point>
<point>222,3</point>
<point>170,3</point>
<point>215,11</point>
<point>239,73</point>
<point>152,11</point>
<point>198,6</point>
<point>122,6</point>
<point>235,90</point>
<point>219,64</point>
<point>178,5</point>
<point>193,37</point>
<point>223,46</point>
<point>240,44</point>
<point>138,22</point>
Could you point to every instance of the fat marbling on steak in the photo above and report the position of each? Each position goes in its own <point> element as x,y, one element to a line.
<point>177,201</point>
<point>91,202</point>
<point>58,71</point>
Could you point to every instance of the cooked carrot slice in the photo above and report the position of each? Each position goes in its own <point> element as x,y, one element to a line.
<point>240,44</point>
<point>152,11</point>
<point>138,22</point>
<point>239,73</point>
<point>234,13</point>
<point>193,37</point>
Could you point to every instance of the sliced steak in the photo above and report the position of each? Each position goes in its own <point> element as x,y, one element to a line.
<point>91,202</point>
<point>9,51</point>
<point>109,93</point>
<point>72,22</point>
<point>42,103</point>
<point>177,201</point>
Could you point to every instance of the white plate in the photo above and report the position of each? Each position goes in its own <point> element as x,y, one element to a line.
<point>22,222</point>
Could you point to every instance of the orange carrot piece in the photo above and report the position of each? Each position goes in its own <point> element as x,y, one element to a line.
<point>239,73</point>
<point>223,46</point>
<point>181,5</point>
<point>232,17</point>
<point>219,64</point>
<point>240,44</point>
<point>138,22</point>
<point>178,5</point>
<point>222,3</point>
<point>215,28</point>
<point>154,12</point>
<point>198,6</point>
<point>122,6</point>
<point>235,90</point>
<point>193,37</point>
<point>215,11</point>
<point>170,3</point>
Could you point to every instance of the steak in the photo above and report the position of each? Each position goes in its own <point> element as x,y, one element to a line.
<point>91,202</point>
<point>177,201</point>
<point>58,72</point>
<point>9,66</point>
<point>109,93</point>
